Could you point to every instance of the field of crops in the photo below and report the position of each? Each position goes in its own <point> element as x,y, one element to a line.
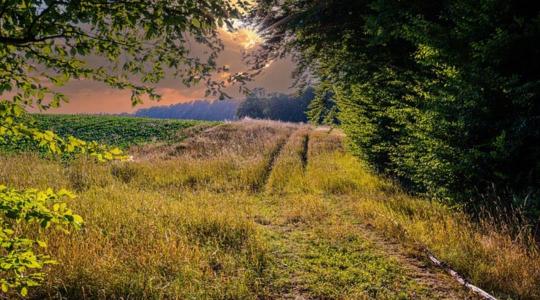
<point>115,130</point>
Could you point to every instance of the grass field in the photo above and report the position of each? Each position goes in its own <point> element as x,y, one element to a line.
<point>258,210</point>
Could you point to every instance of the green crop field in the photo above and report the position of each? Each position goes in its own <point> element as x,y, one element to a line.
<point>118,131</point>
<point>115,130</point>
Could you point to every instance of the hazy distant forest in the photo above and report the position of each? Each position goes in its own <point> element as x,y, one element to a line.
<point>423,139</point>
<point>257,105</point>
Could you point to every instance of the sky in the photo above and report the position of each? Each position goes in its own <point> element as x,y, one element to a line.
<point>91,97</point>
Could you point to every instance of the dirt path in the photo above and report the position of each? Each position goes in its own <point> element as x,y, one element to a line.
<point>416,263</point>
<point>308,263</point>
<point>318,248</point>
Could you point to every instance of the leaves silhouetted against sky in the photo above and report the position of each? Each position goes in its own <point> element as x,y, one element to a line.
<point>93,97</point>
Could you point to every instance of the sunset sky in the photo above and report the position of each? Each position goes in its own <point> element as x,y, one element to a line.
<point>90,97</point>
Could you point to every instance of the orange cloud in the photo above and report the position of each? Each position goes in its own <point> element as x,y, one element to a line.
<point>91,97</point>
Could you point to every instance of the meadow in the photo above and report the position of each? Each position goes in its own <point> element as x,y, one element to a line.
<point>255,210</point>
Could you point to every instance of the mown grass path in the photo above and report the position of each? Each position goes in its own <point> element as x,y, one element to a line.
<point>320,251</point>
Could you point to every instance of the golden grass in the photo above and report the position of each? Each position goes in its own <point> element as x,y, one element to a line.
<point>146,245</point>
<point>491,258</point>
<point>288,170</point>
<point>485,253</point>
<point>332,170</point>
<point>205,217</point>
<point>299,210</point>
<point>160,227</point>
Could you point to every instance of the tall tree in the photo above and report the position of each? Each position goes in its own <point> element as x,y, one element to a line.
<point>276,106</point>
<point>441,95</point>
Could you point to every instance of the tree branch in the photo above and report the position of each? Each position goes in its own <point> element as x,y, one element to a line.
<point>28,40</point>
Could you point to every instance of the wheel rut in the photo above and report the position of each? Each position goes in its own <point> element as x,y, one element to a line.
<point>271,162</point>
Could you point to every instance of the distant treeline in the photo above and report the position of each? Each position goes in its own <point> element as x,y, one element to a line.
<point>258,105</point>
<point>196,110</point>
<point>276,106</point>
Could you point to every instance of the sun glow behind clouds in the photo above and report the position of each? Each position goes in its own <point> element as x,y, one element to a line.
<point>246,37</point>
<point>251,39</point>
<point>90,97</point>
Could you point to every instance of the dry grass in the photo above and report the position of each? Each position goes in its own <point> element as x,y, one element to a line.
<point>146,245</point>
<point>288,171</point>
<point>254,210</point>
<point>161,227</point>
<point>487,255</point>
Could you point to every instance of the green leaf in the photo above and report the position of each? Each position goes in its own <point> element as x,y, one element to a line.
<point>196,23</point>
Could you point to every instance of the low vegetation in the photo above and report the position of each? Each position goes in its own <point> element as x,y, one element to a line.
<point>114,130</point>
<point>252,210</point>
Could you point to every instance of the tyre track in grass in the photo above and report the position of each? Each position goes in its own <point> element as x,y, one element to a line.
<point>416,264</point>
<point>312,258</point>
<point>305,151</point>
<point>274,154</point>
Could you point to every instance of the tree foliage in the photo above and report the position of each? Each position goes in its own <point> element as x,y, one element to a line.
<point>124,44</point>
<point>441,95</point>
<point>322,110</point>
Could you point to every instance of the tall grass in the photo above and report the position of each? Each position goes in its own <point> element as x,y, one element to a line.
<point>486,251</point>
<point>488,255</point>
<point>288,170</point>
<point>200,219</point>
<point>160,228</point>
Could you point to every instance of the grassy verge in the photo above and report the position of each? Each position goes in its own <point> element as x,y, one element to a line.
<point>318,253</point>
<point>505,264</point>
<point>489,256</point>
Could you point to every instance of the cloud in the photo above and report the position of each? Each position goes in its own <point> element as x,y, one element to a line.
<point>244,38</point>
<point>90,97</point>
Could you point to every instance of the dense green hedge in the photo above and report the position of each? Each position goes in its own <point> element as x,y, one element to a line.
<point>442,95</point>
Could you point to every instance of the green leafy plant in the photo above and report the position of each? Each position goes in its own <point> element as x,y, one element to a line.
<point>21,263</point>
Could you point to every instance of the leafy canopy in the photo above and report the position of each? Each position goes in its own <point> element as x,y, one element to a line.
<point>441,95</point>
<point>124,44</point>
